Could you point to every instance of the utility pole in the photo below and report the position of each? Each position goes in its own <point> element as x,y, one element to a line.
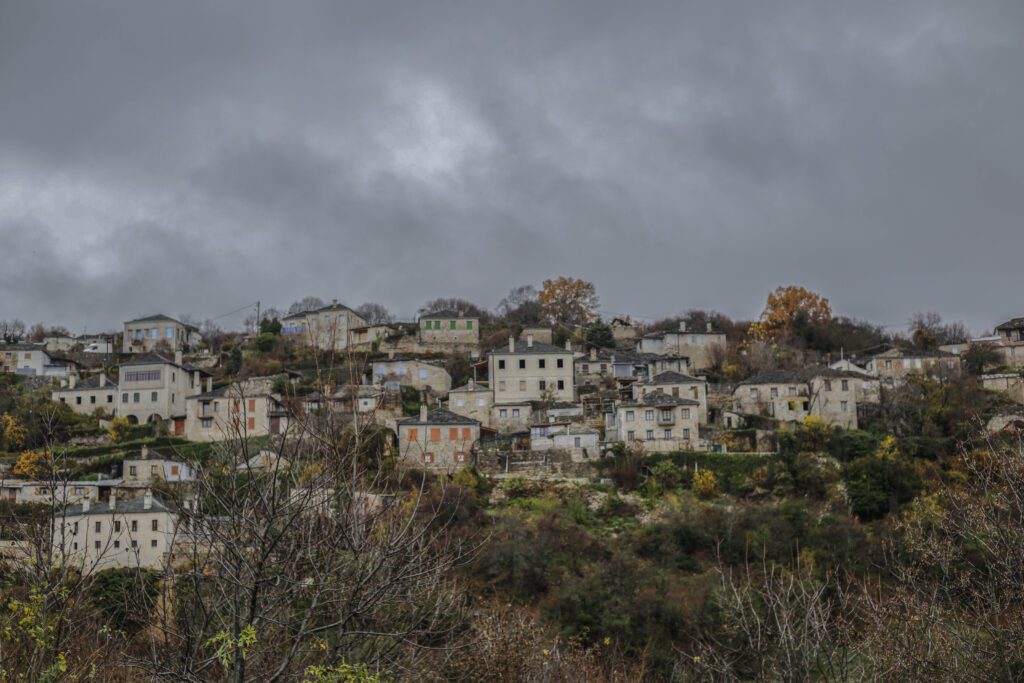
<point>257,330</point>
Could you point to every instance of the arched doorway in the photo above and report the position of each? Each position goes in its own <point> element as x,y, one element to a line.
<point>132,420</point>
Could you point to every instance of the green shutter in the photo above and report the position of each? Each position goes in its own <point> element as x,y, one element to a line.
<point>452,324</point>
<point>469,324</point>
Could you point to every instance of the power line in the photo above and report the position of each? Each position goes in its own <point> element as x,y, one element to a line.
<point>237,310</point>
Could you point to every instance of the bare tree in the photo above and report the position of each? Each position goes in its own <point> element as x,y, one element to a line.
<point>309,303</point>
<point>375,314</point>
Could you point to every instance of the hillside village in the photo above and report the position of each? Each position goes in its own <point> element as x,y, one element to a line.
<point>125,440</point>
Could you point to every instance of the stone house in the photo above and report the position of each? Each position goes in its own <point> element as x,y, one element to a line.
<point>46,492</point>
<point>624,366</point>
<point>531,371</point>
<point>33,360</point>
<point>1011,330</point>
<point>401,371</point>
<point>86,396</point>
<point>153,388</point>
<point>473,401</point>
<point>152,466</point>
<point>511,417</point>
<point>679,385</point>
<point>118,534</point>
<point>658,422</point>
<point>623,329</point>
<point>236,410</point>
<point>158,333</point>
<point>437,439</point>
<point>582,442</point>
<point>894,365</point>
<point>696,345</point>
<point>449,327</point>
<point>793,396</point>
<point>328,328</point>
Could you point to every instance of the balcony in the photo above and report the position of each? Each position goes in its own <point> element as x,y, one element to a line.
<point>666,419</point>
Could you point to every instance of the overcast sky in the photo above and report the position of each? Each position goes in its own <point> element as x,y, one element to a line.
<point>193,157</point>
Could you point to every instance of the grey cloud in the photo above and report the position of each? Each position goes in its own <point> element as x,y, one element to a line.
<point>196,156</point>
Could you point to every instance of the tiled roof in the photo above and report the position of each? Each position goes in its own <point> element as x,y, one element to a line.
<point>440,416</point>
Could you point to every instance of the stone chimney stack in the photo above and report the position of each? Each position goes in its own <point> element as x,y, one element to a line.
<point>178,357</point>
<point>423,412</point>
<point>85,505</point>
<point>147,500</point>
<point>72,381</point>
<point>209,384</point>
<point>145,452</point>
<point>709,328</point>
<point>593,354</point>
<point>472,383</point>
<point>197,381</point>
<point>529,341</point>
<point>103,378</point>
<point>682,326</point>
<point>113,499</point>
<point>568,344</point>
<point>511,344</point>
<point>391,354</point>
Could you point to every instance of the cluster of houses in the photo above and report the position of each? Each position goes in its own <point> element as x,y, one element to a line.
<point>649,394</point>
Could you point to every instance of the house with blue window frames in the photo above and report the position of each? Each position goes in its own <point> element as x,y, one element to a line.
<point>159,333</point>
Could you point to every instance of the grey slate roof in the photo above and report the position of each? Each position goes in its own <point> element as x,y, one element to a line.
<point>121,507</point>
<point>154,358</point>
<point>447,314</point>
<point>440,416</point>
<point>660,398</point>
<point>1012,324</point>
<point>803,376</point>
<point>673,377</point>
<point>91,384</point>
<point>538,347</point>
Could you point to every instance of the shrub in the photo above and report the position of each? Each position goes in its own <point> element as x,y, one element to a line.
<point>705,483</point>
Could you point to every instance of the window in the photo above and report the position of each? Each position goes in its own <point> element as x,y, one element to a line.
<point>843,405</point>
<point>630,416</point>
<point>460,456</point>
<point>846,385</point>
<point>252,405</point>
<point>135,544</point>
<point>413,434</point>
<point>542,384</point>
<point>453,433</point>
<point>650,435</point>
<point>774,392</point>
<point>153,469</point>
<point>522,363</point>
<point>152,544</point>
<point>136,397</point>
<point>76,546</point>
<point>460,402</point>
<point>451,325</point>
<point>501,364</point>
<point>117,525</point>
<point>541,363</point>
<point>110,398</point>
<point>501,385</point>
<point>753,393</point>
<point>124,398</point>
<point>156,525</point>
<point>117,544</point>
<point>206,422</point>
<point>585,369</point>
<point>888,365</point>
<point>522,385</point>
<point>576,443</point>
<point>142,376</point>
<point>481,402</point>
<point>668,434</point>
<point>502,412</point>
<point>648,415</point>
<point>78,400</point>
<point>92,399</point>
<point>169,332</point>
<point>99,527</point>
<point>686,433</point>
<point>828,385</point>
<point>133,470</point>
<point>467,433</point>
<point>251,423</point>
<point>469,324</point>
<point>561,384</point>
<point>152,397</point>
<point>604,366</point>
<point>428,458</point>
<point>515,412</point>
<point>686,413</point>
<point>135,525</point>
<point>630,435</point>
<point>96,545</point>
<point>435,433</point>
<point>792,391</point>
<point>423,373</point>
<point>153,332</point>
<point>560,363</point>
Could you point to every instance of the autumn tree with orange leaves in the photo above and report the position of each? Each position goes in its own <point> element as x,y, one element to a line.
<point>787,305</point>
<point>570,301</point>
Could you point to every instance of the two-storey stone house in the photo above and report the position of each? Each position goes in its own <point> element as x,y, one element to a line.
<point>438,439</point>
<point>531,371</point>
<point>158,333</point>
<point>153,388</point>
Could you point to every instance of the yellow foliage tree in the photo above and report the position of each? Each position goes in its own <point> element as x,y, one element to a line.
<point>569,300</point>
<point>12,432</point>
<point>785,305</point>
<point>118,429</point>
<point>33,464</point>
<point>705,483</point>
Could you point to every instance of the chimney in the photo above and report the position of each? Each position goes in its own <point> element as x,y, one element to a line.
<point>462,313</point>
<point>391,354</point>
<point>568,344</point>
<point>593,353</point>
<point>85,505</point>
<point>147,500</point>
<point>209,384</point>
<point>529,340</point>
<point>423,412</point>
<point>472,383</point>
<point>197,381</point>
<point>682,326</point>
<point>511,344</point>
<point>709,328</point>
<point>103,378</point>
<point>334,302</point>
<point>177,357</point>
<point>113,499</point>
<point>145,452</point>
<point>72,381</point>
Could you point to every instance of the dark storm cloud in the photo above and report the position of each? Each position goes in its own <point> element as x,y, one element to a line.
<point>198,156</point>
